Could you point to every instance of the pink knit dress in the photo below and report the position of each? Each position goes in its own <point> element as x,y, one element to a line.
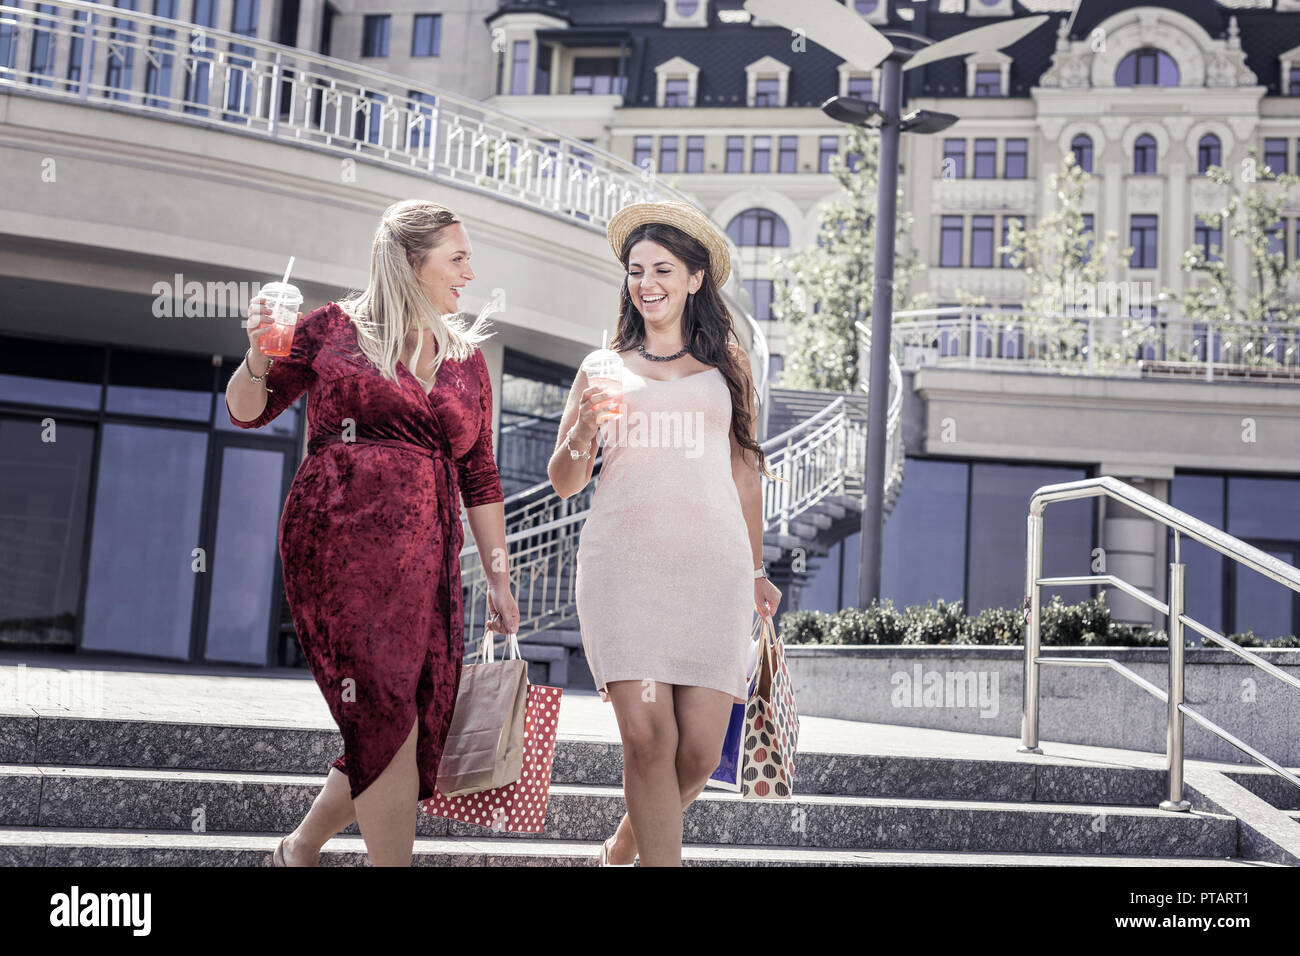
<point>665,573</point>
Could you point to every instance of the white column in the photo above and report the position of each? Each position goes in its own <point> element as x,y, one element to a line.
<point>1177,197</point>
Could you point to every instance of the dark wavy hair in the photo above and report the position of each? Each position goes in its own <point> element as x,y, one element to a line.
<point>708,329</point>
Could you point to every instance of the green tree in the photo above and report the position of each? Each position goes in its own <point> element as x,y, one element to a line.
<point>1252,212</point>
<point>820,291</point>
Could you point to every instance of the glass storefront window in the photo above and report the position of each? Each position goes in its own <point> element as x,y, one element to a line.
<point>160,385</point>
<point>148,512</point>
<point>44,486</point>
<point>50,374</point>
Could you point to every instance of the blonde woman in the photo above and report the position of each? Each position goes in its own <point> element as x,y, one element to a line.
<point>400,417</point>
<point>669,564</point>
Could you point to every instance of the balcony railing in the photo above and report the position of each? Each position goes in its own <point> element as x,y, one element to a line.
<point>151,65</point>
<point>1107,345</point>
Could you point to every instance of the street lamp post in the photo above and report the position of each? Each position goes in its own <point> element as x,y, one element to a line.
<point>841,30</point>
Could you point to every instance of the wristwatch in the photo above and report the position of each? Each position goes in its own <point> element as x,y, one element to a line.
<point>760,572</point>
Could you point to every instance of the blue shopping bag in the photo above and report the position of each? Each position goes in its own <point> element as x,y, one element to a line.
<point>727,776</point>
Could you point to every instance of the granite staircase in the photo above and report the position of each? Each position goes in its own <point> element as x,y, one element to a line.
<point>86,791</point>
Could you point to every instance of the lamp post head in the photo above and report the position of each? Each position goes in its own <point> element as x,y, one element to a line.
<point>850,109</point>
<point>926,121</point>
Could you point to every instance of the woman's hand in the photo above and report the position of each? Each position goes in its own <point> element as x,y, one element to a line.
<point>502,609</point>
<point>594,401</point>
<point>259,324</point>
<point>767,596</point>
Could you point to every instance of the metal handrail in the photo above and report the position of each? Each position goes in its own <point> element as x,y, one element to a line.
<point>1182,524</point>
<point>150,65</point>
<point>1097,344</point>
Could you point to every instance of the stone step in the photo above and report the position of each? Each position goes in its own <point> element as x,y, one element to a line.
<point>23,846</point>
<point>84,798</point>
<point>145,745</point>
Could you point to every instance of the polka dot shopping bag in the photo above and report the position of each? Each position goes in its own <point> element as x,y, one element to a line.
<point>518,807</point>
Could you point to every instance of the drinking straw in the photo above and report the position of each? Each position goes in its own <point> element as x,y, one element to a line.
<point>287,269</point>
<point>604,338</point>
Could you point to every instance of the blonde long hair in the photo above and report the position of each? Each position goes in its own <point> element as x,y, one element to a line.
<point>394,304</point>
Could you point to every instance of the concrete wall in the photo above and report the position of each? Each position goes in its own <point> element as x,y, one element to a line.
<point>918,687</point>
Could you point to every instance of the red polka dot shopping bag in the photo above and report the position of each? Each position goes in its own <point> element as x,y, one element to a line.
<point>520,806</point>
<point>771,730</point>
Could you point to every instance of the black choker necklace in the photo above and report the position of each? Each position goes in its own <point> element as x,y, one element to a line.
<point>660,358</point>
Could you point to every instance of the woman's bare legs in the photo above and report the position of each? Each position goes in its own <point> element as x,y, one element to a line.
<point>648,728</point>
<point>330,812</point>
<point>386,811</point>
<point>701,715</point>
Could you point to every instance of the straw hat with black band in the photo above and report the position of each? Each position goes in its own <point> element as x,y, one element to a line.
<point>680,215</point>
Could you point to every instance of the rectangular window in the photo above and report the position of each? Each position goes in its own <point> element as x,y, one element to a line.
<point>1293,85</point>
<point>1015,161</point>
<point>788,158</point>
<point>677,92</point>
<point>860,87</point>
<point>827,147</point>
<point>695,154</point>
<point>954,159</point>
<point>950,240</point>
<point>1089,229</point>
<point>426,35</point>
<point>1275,155</point>
<point>120,53</point>
<point>158,73</point>
<point>1143,237</point>
<point>760,293</point>
<point>1209,240</point>
<point>981,242</point>
<point>643,149</point>
<point>988,82</point>
<point>1006,234</point>
<point>519,55</point>
<point>735,154</point>
<point>542,75</point>
<point>767,91</point>
<point>668,154</point>
<point>762,158</point>
<point>1277,239</point>
<point>986,158</point>
<point>597,76</point>
<point>374,34</point>
<point>42,58</point>
<point>420,119</point>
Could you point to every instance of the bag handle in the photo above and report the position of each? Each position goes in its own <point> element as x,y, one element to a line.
<point>487,647</point>
<point>766,666</point>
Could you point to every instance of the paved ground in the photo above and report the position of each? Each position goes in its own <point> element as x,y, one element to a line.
<point>113,688</point>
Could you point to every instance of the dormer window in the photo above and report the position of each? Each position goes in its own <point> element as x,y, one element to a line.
<point>988,74</point>
<point>988,83</point>
<point>686,13</point>
<point>676,82</point>
<point>768,82</point>
<point>858,84</point>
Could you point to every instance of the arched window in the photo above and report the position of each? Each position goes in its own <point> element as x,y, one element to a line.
<point>1081,146</point>
<point>687,8</point>
<point>1209,152</point>
<point>758,227</point>
<point>866,7</point>
<point>1144,154</point>
<point>1147,67</point>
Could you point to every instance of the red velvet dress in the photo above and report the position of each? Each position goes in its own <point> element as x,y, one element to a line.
<point>370,536</point>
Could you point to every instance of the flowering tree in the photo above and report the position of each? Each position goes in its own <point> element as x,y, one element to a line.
<point>821,291</point>
<point>1065,268</point>
<point>1252,216</point>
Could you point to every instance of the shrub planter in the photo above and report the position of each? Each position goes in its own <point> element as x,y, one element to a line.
<point>975,689</point>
